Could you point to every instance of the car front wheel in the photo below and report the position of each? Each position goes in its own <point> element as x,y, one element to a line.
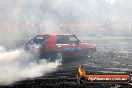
<point>89,53</point>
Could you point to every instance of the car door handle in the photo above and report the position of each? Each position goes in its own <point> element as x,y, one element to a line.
<point>59,46</point>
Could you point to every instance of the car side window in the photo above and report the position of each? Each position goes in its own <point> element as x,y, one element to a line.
<point>62,40</point>
<point>73,40</point>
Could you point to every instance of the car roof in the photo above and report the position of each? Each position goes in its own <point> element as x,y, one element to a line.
<point>55,34</point>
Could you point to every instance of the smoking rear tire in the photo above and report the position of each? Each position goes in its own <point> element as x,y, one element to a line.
<point>56,56</point>
<point>51,56</point>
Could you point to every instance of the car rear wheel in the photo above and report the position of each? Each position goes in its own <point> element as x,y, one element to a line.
<point>56,56</point>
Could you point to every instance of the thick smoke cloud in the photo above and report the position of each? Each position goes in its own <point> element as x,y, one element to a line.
<point>17,65</point>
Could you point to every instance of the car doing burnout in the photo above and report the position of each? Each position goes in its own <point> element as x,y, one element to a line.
<point>65,46</point>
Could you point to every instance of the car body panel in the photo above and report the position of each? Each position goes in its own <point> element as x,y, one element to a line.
<point>68,44</point>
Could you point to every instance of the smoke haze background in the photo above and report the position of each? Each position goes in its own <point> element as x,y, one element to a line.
<point>26,18</point>
<point>23,19</point>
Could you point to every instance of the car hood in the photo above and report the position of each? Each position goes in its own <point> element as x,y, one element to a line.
<point>88,45</point>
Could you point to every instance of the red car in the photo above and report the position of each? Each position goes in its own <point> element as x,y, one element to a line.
<point>65,46</point>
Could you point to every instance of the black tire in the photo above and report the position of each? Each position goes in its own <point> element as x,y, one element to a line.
<point>56,56</point>
<point>51,56</point>
<point>89,53</point>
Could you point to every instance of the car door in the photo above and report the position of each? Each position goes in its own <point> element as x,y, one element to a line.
<point>62,42</point>
<point>75,43</point>
<point>68,44</point>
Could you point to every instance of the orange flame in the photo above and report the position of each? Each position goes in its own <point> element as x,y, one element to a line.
<point>81,71</point>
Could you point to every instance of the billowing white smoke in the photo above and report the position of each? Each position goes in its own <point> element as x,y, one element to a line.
<point>16,65</point>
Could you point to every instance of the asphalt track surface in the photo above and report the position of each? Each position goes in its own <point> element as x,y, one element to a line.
<point>64,77</point>
<point>112,57</point>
